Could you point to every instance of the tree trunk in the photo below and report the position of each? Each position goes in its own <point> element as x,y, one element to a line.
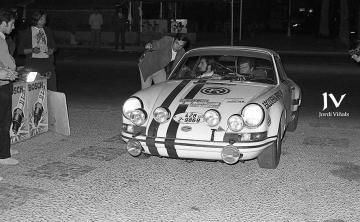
<point>324,19</point>
<point>344,22</point>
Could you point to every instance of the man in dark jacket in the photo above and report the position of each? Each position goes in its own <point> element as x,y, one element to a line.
<point>120,24</point>
<point>161,53</point>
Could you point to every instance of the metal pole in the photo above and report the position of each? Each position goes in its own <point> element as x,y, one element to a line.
<point>161,11</point>
<point>289,20</point>
<point>240,20</point>
<point>232,22</point>
<point>175,10</point>
<point>141,15</point>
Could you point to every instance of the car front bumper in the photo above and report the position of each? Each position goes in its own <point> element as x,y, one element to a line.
<point>197,149</point>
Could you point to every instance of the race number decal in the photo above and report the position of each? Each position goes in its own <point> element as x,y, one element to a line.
<point>189,118</point>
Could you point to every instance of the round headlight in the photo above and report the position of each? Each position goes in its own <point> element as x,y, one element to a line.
<point>235,123</point>
<point>138,117</point>
<point>212,117</point>
<point>161,114</point>
<point>253,115</point>
<point>131,105</point>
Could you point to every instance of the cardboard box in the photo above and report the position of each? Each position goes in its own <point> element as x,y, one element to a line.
<point>30,112</point>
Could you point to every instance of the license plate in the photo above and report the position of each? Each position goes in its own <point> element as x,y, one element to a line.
<point>189,118</point>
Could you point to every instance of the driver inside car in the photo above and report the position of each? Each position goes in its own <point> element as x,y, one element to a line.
<point>246,66</point>
<point>206,68</point>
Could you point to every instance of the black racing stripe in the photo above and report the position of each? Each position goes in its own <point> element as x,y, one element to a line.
<point>154,126</point>
<point>173,126</point>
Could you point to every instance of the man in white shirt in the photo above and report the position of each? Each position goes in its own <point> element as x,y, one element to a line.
<point>7,75</point>
<point>95,22</point>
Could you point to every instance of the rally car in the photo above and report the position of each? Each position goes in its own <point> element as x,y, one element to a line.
<point>226,115</point>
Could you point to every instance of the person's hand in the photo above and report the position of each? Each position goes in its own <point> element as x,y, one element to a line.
<point>148,46</point>
<point>27,51</point>
<point>50,51</point>
<point>7,74</point>
<point>36,50</point>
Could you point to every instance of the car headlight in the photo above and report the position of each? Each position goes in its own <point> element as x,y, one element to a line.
<point>130,105</point>
<point>235,123</point>
<point>253,115</point>
<point>161,114</point>
<point>138,117</point>
<point>212,117</point>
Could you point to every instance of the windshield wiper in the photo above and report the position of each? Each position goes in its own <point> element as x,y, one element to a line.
<point>217,83</point>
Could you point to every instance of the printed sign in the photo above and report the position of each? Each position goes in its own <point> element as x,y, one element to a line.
<point>38,113</point>
<point>29,110</point>
<point>201,103</point>
<point>19,129</point>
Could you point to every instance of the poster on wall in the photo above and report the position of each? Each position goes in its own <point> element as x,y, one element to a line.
<point>179,25</point>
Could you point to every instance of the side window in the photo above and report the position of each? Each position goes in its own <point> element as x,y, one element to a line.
<point>280,68</point>
<point>186,69</point>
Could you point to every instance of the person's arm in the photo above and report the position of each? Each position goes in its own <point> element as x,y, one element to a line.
<point>51,41</point>
<point>5,58</point>
<point>7,74</point>
<point>158,44</point>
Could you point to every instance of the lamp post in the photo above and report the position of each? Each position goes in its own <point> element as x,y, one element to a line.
<point>232,22</point>
<point>289,20</point>
<point>240,20</point>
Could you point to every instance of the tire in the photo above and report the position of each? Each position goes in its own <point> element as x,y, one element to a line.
<point>293,124</point>
<point>144,156</point>
<point>270,157</point>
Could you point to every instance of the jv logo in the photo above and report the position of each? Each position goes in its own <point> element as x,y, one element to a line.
<point>333,99</point>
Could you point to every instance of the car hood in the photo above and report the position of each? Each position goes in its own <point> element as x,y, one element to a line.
<point>196,95</point>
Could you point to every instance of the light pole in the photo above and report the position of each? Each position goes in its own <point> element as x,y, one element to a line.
<point>240,20</point>
<point>289,20</point>
<point>232,22</point>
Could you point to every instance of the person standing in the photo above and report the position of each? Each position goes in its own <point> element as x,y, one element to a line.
<point>38,44</point>
<point>160,55</point>
<point>120,25</point>
<point>7,74</point>
<point>95,22</point>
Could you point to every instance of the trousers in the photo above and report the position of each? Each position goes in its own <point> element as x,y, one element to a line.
<point>157,77</point>
<point>5,119</point>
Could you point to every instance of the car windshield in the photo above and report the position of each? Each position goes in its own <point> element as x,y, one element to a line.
<point>222,67</point>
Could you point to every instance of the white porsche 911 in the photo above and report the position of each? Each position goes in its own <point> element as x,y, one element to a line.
<point>219,103</point>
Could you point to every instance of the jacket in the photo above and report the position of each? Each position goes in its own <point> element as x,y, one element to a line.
<point>159,57</point>
<point>26,43</point>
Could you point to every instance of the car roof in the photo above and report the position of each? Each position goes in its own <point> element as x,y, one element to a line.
<point>231,50</point>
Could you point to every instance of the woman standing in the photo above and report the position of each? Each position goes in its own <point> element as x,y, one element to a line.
<point>38,45</point>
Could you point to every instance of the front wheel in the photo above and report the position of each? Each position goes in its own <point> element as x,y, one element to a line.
<point>270,157</point>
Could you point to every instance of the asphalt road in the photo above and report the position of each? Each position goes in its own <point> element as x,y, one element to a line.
<point>88,176</point>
